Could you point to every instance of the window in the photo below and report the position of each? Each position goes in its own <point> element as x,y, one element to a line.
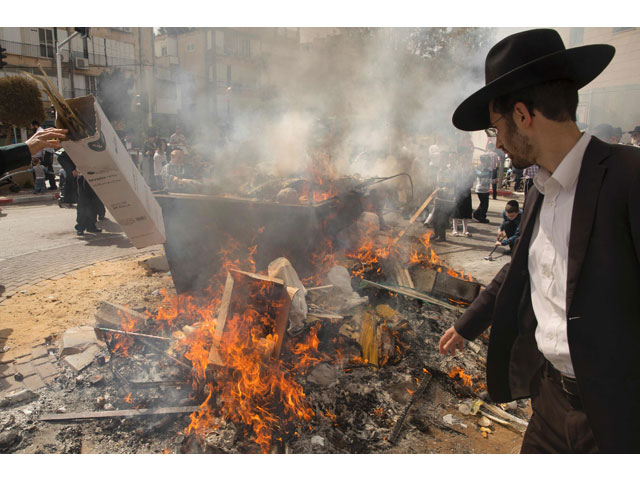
<point>45,36</point>
<point>219,41</point>
<point>211,73</point>
<point>209,39</point>
<point>191,47</point>
<point>164,51</point>
<point>91,84</point>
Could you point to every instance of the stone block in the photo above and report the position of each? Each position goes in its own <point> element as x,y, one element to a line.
<point>77,339</point>
<point>40,361</point>
<point>25,369</point>
<point>7,370</point>
<point>8,384</point>
<point>82,360</point>
<point>34,382</point>
<point>46,370</point>
<point>24,358</point>
<point>156,264</point>
<point>7,357</point>
<point>39,352</point>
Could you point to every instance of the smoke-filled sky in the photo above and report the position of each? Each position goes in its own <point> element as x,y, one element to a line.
<point>355,93</point>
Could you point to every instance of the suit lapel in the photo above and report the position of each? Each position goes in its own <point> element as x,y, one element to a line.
<point>584,209</point>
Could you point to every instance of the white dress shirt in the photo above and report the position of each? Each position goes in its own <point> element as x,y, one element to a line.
<point>549,253</point>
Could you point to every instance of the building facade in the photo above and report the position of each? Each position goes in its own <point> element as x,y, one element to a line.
<point>83,59</point>
<point>208,76</point>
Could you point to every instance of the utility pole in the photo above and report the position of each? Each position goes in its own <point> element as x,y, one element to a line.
<point>84,32</point>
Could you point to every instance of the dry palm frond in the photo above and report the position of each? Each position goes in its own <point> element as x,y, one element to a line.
<point>20,101</point>
<point>368,338</point>
<point>68,118</point>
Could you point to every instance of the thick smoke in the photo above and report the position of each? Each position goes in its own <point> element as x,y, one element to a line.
<point>360,100</point>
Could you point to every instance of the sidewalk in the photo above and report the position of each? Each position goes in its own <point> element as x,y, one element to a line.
<point>27,196</point>
<point>467,254</point>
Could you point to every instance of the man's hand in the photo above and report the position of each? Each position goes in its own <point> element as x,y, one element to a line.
<point>49,138</point>
<point>450,341</point>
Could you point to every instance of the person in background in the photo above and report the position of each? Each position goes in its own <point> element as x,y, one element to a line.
<point>495,167</point>
<point>159,160</point>
<point>529,174</point>
<point>635,136</point>
<point>509,230</point>
<point>39,172</point>
<point>464,176</point>
<point>483,182</point>
<point>444,201</point>
<point>176,174</point>
<point>177,139</point>
<point>46,158</point>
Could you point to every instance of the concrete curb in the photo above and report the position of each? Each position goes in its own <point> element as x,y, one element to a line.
<point>29,198</point>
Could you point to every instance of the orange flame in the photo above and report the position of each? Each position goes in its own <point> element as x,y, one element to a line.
<point>459,372</point>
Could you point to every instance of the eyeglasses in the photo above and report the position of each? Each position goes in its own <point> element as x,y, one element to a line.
<point>492,131</point>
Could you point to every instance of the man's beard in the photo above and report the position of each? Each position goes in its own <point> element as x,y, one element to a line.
<point>521,152</point>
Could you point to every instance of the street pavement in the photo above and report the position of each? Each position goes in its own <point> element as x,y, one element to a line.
<point>38,242</point>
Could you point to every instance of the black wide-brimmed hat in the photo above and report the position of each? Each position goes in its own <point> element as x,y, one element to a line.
<point>525,59</point>
<point>635,130</point>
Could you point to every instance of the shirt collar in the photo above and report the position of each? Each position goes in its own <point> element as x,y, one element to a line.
<point>569,168</point>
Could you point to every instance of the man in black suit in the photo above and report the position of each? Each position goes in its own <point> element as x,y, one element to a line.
<point>564,314</point>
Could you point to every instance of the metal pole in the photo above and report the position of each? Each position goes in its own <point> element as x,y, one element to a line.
<point>59,46</point>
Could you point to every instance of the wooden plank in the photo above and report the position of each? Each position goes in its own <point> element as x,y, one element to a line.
<point>61,417</point>
<point>415,294</point>
<point>415,216</point>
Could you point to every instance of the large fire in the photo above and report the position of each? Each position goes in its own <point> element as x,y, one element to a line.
<point>256,392</point>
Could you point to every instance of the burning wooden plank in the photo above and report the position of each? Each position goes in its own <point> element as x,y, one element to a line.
<point>257,305</point>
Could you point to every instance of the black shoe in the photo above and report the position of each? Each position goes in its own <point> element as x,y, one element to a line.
<point>94,230</point>
<point>79,232</point>
<point>484,220</point>
<point>101,218</point>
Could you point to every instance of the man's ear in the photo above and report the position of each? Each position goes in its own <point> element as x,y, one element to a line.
<point>521,115</point>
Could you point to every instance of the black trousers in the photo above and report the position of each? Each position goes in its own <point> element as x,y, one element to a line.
<point>47,161</point>
<point>481,212</point>
<point>558,423</point>
<point>87,209</point>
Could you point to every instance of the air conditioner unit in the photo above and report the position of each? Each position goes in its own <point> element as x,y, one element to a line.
<point>81,63</point>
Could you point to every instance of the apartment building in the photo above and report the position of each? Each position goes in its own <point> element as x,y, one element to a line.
<point>614,96</point>
<point>212,75</point>
<point>83,59</point>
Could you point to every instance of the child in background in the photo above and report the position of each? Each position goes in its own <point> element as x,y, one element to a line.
<point>482,188</point>
<point>509,230</point>
<point>40,172</point>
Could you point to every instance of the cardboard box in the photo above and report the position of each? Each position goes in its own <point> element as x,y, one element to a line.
<point>245,291</point>
<point>107,166</point>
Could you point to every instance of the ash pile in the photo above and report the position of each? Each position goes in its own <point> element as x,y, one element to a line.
<point>345,361</point>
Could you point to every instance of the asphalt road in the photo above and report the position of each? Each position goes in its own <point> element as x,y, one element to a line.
<point>38,242</point>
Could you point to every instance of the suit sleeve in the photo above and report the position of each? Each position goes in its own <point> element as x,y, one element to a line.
<point>14,156</point>
<point>634,216</point>
<point>478,316</point>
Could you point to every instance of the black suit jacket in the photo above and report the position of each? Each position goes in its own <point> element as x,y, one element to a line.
<point>14,156</point>
<point>603,300</point>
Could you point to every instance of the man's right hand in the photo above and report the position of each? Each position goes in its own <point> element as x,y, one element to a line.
<point>49,138</point>
<point>450,341</point>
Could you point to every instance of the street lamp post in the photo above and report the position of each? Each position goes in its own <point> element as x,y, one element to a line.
<point>84,31</point>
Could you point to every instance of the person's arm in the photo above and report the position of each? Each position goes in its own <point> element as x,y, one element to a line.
<point>476,319</point>
<point>512,239</point>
